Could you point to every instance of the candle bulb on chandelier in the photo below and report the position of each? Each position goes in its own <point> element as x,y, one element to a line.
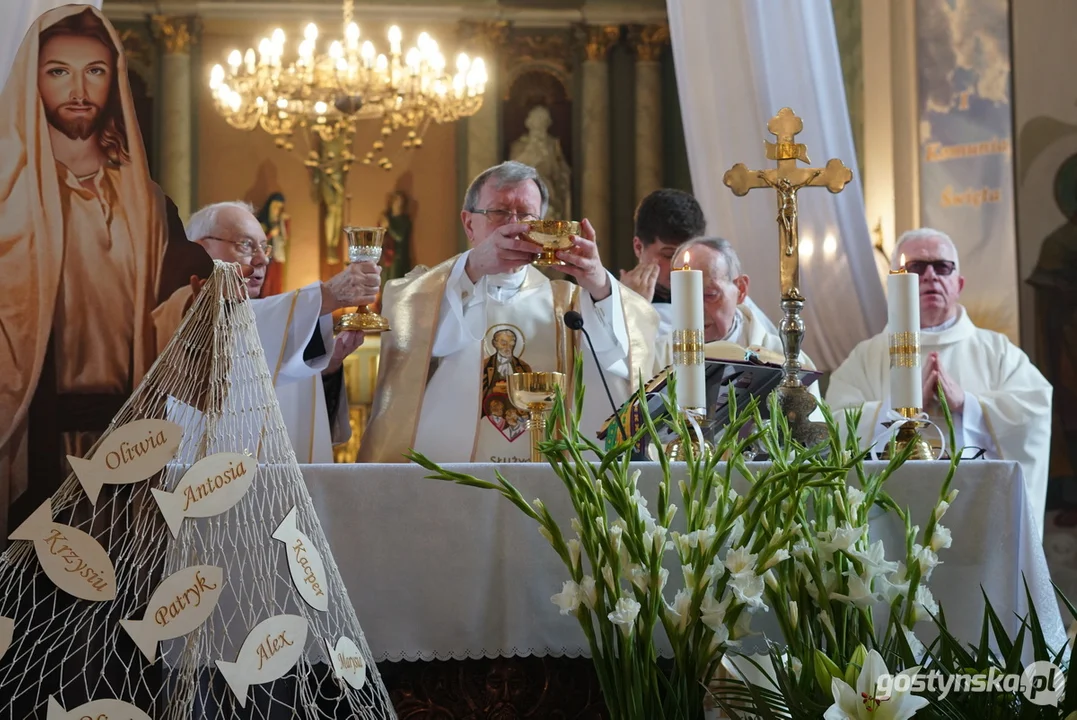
<point>351,35</point>
<point>903,327</point>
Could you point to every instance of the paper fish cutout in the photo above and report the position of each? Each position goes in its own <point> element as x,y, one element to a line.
<point>95,710</point>
<point>212,485</point>
<point>304,563</point>
<point>268,653</point>
<point>7,631</point>
<point>180,603</point>
<point>348,662</point>
<point>130,454</point>
<point>74,561</point>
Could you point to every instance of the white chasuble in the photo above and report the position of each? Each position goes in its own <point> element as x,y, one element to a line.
<point>1007,412</point>
<point>490,329</point>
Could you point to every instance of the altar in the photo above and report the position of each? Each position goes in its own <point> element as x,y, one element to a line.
<point>438,571</point>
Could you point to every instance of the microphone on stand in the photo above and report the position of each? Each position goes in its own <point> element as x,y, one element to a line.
<point>574,321</point>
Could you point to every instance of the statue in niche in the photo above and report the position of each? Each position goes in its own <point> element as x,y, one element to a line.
<point>396,220</point>
<point>275,222</point>
<point>542,151</point>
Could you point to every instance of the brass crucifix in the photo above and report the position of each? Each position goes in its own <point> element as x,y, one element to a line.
<point>787,179</point>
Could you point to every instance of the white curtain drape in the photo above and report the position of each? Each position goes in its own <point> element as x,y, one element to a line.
<point>16,17</point>
<point>739,62</point>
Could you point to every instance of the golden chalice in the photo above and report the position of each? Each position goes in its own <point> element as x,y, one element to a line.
<point>552,236</point>
<point>535,391</point>
<point>364,245</point>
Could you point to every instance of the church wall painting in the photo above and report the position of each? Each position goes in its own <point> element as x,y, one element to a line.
<point>93,251</point>
<point>966,158</point>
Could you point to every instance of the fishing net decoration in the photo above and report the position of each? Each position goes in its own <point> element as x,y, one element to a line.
<point>213,381</point>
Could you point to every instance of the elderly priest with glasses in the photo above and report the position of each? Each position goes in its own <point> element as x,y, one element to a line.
<point>1000,402</point>
<point>296,328</point>
<point>461,328</point>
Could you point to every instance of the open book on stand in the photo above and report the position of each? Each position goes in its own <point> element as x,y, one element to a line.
<point>748,372</point>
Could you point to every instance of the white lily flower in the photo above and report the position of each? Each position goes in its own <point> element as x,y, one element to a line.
<point>625,614</point>
<point>574,553</point>
<point>940,538</point>
<point>588,592</point>
<point>740,561</point>
<point>748,589</point>
<point>568,599</point>
<point>866,702</point>
<point>860,593</point>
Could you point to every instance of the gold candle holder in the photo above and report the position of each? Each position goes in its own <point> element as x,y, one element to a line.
<point>552,236</point>
<point>535,391</point>
<point>677,448</point>
<point>909,434</point>
<point>364,245</point>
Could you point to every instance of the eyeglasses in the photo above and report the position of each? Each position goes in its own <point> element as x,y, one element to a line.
<point>505,216</point>
<point>941,267</point>
<point>246,247</point>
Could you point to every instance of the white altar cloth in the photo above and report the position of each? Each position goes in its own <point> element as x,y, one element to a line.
<point>440,571</point>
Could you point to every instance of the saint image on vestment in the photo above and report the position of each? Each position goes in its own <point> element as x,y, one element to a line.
<point>88,253</point>
<point>503,346</point>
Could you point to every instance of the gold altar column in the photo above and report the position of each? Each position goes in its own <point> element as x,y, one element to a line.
<point>648,41</point>
<point>595,132</point>
<point>176,35</point>
<point>484,39</point>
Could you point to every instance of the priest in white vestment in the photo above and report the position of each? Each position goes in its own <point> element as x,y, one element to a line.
<point>295,328</point>
<point>664,220</point>
<point>1000,402</point>
<point>461,328</point>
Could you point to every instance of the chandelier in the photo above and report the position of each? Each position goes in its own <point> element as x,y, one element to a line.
<point>324,94</point>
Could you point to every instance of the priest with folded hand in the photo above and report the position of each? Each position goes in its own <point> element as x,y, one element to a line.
<point>1000,402</point>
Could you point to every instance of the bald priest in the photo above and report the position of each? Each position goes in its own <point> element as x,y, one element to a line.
<point>1000,402</point>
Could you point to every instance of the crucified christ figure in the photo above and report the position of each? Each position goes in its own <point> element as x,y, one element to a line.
<point>787,209</point>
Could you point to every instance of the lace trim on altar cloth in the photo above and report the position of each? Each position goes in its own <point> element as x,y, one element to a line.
<point>484,654</point>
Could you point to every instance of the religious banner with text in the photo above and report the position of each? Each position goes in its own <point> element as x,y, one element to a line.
<point>966,148</point>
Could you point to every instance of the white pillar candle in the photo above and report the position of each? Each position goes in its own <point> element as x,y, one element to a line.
<point>903,326</point>
<point>686,290</point>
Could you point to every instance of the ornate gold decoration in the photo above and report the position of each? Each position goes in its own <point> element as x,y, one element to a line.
<point>487,37</point>
<point>688,347</point>
<point>177,34</point>
<point>905,349</point>
<point>549,51</point>
<point>787,179</point>
<point>140,52</point>
<point>551,236</point>
<point>599,40</point>
<point>648,41</point>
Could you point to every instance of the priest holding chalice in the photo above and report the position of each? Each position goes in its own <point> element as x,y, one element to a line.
<point>461,328</point>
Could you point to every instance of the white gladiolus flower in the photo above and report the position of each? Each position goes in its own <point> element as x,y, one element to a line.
<point>748,589</point>
<point>537,503</point>
<point>941,509</point>
<point>740,561</point>
<point>712,613</point>
<point>951,497</point>
<point>771,580</point>
<point>658,537</point>
<point>895,585</point>
<point>794,614</point>
<point>743,627</point>
<point>940,538</point>
<point>779,555</point>
<point>625,614</point>
<point>874,559</point>
<point>706,537</point>
<point>736,531</point>
<point>860,593</point>
<point>640,577</point>
<point>689,574</point>
<point>616,530</point>
<point>925,603</point>
<point>927,558</point>
<point>546,534</point>
<point>681,608</point>
<point>568,599</point>
<point>607,575</point>
<point>865,701</point>
<point>854,496</point>
<point>663,577</point>
<point>577,527</point>
<point>840,539</point>
<point>801,549</point>
<point>917,647</point>
<point>574,553</point>
<point>588,592</point>
<point>633,480</point>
